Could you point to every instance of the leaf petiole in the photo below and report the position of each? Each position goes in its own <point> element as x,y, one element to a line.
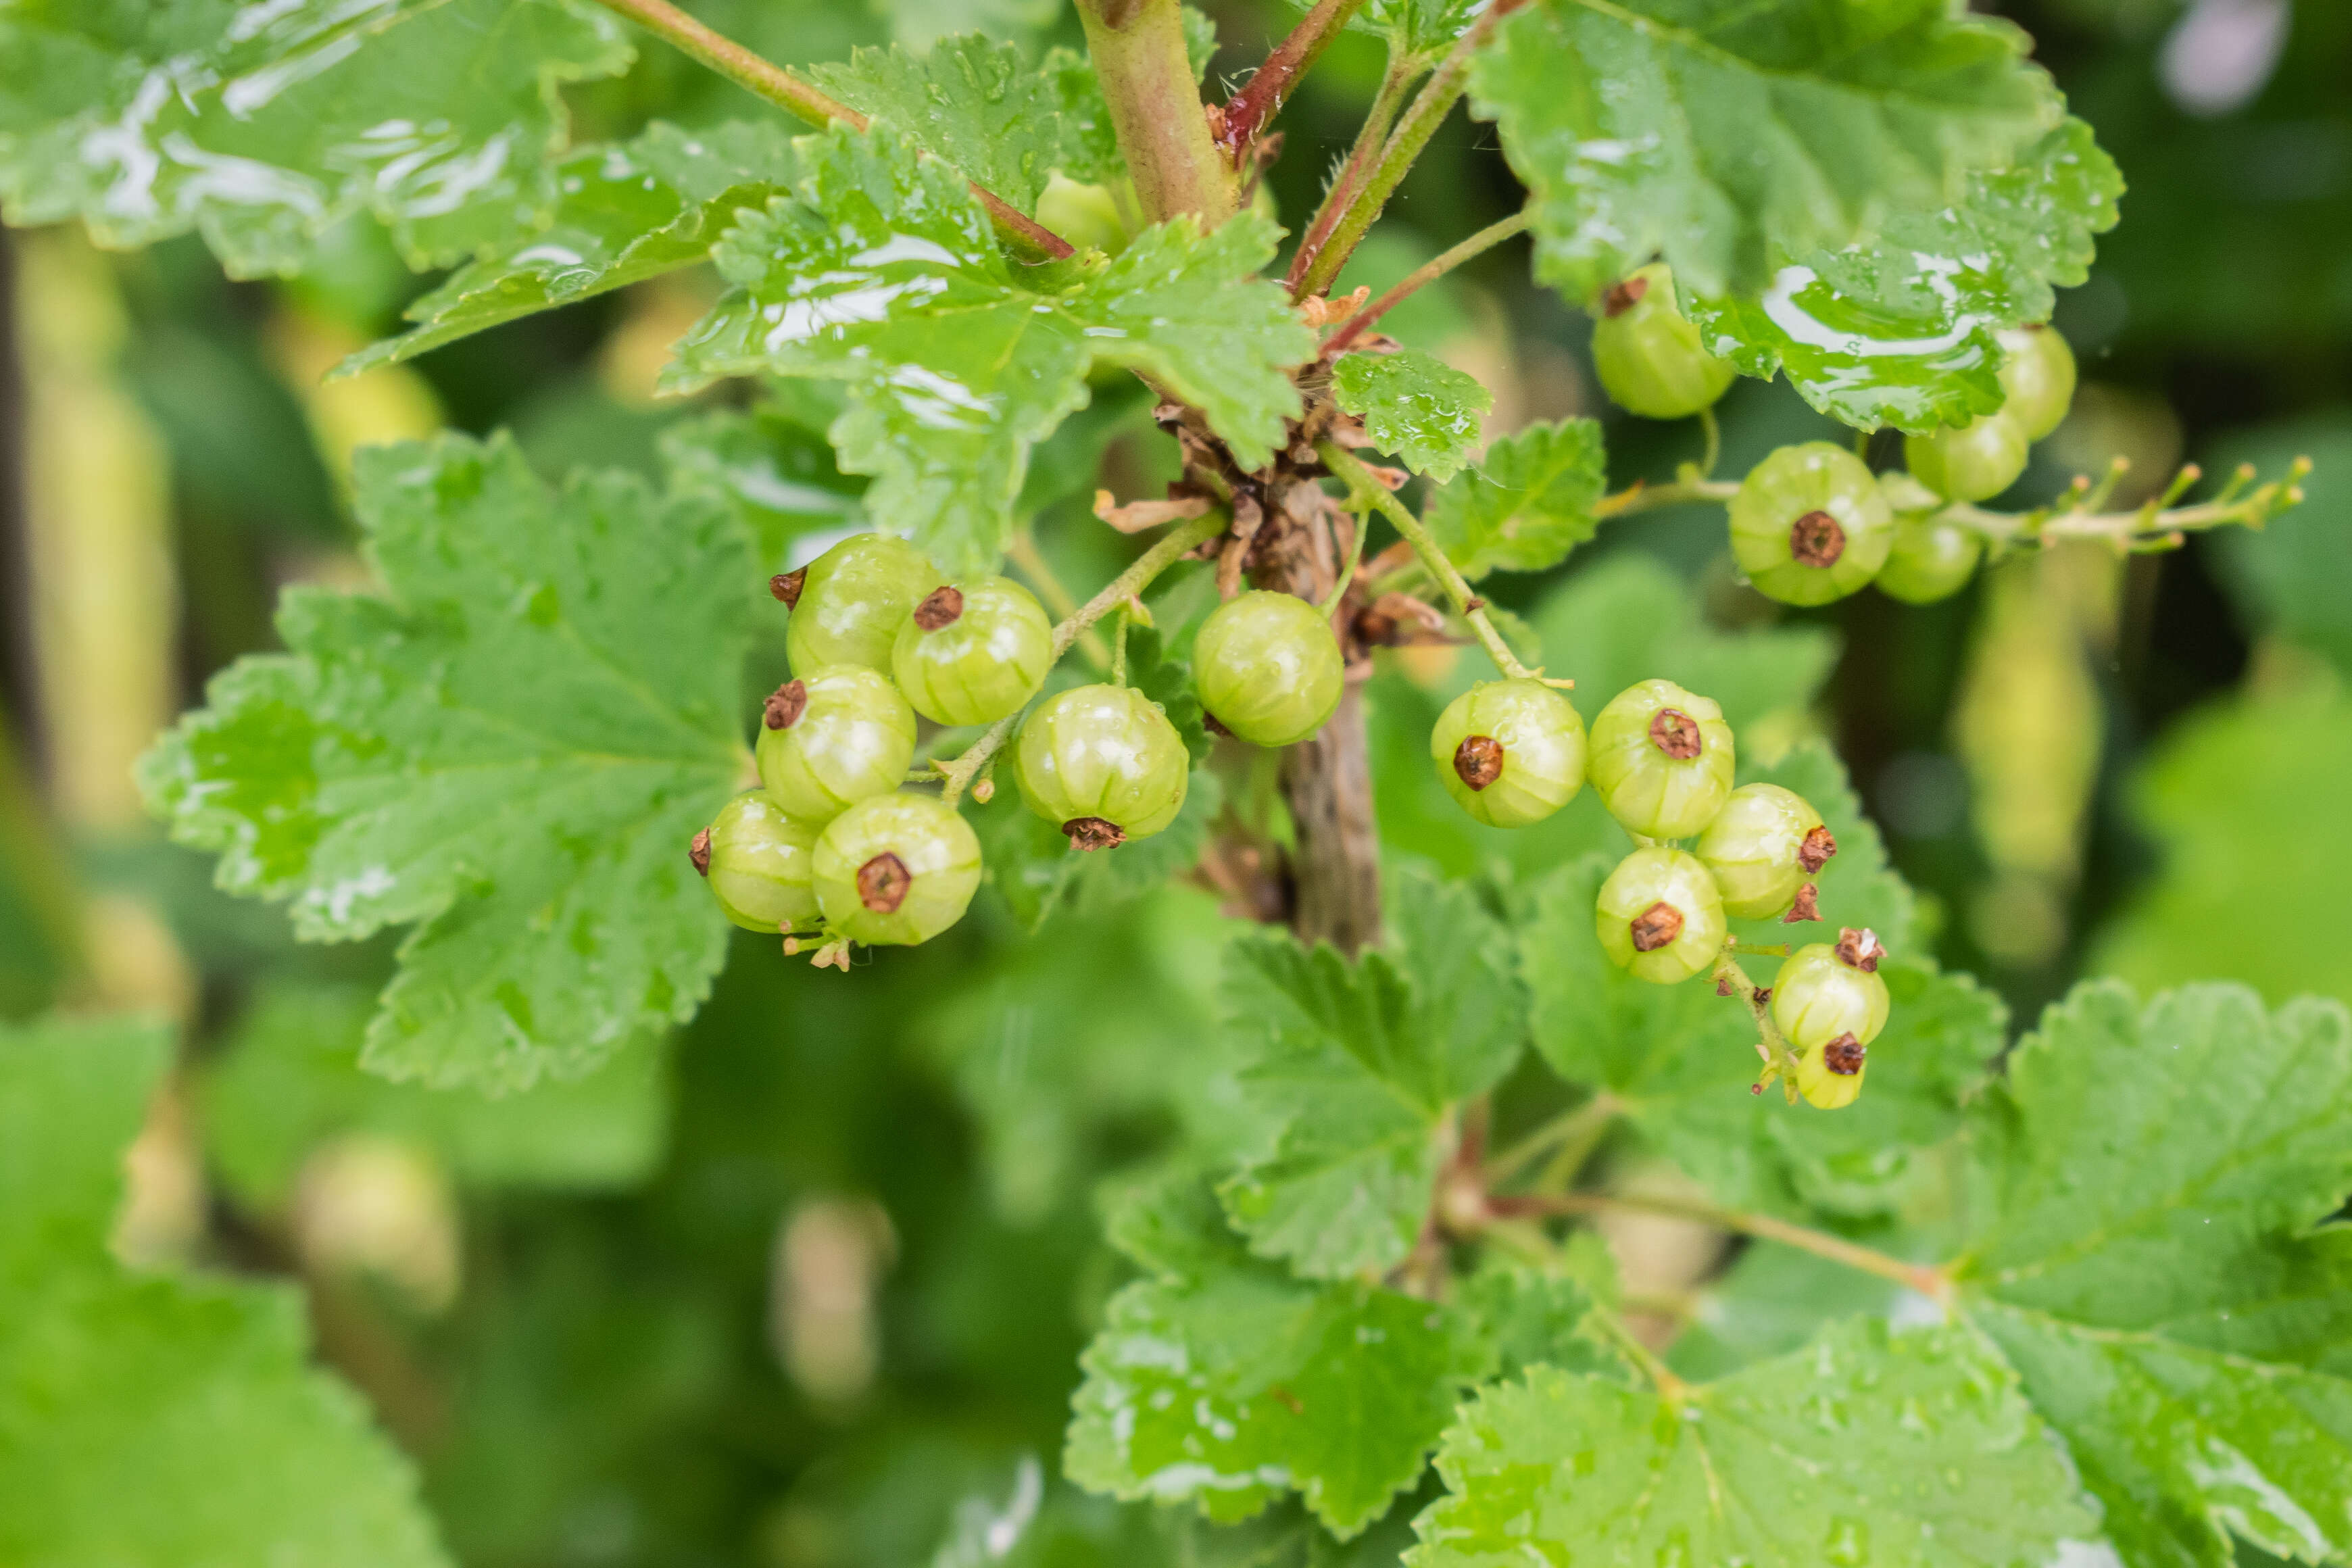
<point>1428,272</point>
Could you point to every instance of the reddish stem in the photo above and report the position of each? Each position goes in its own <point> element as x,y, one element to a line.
<point>1249,110</point>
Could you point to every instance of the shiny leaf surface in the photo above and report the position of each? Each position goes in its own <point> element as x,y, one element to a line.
<point>1415,407</point>
<point>1527,503</point>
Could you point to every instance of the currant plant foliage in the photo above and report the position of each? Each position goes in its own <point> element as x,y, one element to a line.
<point>2004,1306</point>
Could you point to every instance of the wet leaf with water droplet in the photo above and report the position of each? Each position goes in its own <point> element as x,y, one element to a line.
<point>517,789</point>
<point>1415,407</point>
<point>1527,503</point>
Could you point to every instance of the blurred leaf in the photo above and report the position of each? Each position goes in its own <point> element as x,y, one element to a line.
<point>1364,1062</point>
<point>2288,580</point>
<point>2246,803</point>
<point>1727,134</point>
<point>1769,1304</point>
<point>624,213</point>
<point>1415,406</point>
<point>776,473</point>
<point>955,369</point>
<point>290,1080</point>
<point>261,128</point>
<point>149,1420</point>
<point>508,747</point>
<point>1527,503</point>
<point>1681,1060</point>
<point>1902,330</point>
<point>2146,1263</point>
<point>983,108</point>
<point>1822,1455</point>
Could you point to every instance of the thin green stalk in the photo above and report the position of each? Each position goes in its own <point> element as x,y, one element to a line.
<point>1643,496</point>
<point>1925,1278</point>
<point>1569,1129</point>
<point>780,87</point>
<point>1366,492</point>
<point>1404,146</point>
<point>1403,70</point>
<point>1730,980</point>
<point>1713,452</point>
<point>1670,1389</point>
<point>2158,522</point>
<point>1262,98</point>
<point>1346,578</point>
<point>1170,548</point>
<point>1023,553</point>
<point>1428,272</point>
<point>1119,645</point>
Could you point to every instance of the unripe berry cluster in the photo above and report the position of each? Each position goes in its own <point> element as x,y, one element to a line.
<point>1811,524</point>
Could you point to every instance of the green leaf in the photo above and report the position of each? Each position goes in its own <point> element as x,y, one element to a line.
<point>263,127</point>
<point>983,108</point>
<point>507,747</point>
<point>1413,28</point>
<point>1362,1062</point>
<point>777,474</point>
<point>1415,407</point>
<point>1903,331</point>
<point>2286,577</point>
<point>290,1080</point>
<point>1769,1304</point>
<point>1527,503</point>
<point>153,1420</point>
<point>1679,1059</point>
<point>1227,1381</point>
<point>883,274</point>
<point>1729,134</point>
<point>626,212</point>
<point>1900,1451</point>
<point>2244,802</point>
<point>2147,1264</point>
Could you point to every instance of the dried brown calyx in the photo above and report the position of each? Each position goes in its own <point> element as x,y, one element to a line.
<point>1625,296</point>
<point>1806,907</point>
<point>1816,540</point>
<point>1815,851</point>
<point>1478,761</point>
<point>1860,949</point>
<point>787,586</point>
<point>1675,733</point>
<point>941,607</point>
<point>1093,833</point>
<point>883,883</point>
<point>785,705</point>
<point>699,852</point>
<point>1656,926</point>
<point>1212,724</point>
<point>1843,1055</point>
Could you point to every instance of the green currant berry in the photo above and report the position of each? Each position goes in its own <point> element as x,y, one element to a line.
<point>833,738</point>
<point>1931,560</point>
<point>1658,916</point>
<point>1976,462</point>
<point>1662,759</point>
<point>1511,752</point>
<point>847,604</point>
<point>1085,215</point>
<point>1267,667</point>
<point>756,861</point>
<point>1648,355</point>
<point>2039,377</point>
<point>1809,524</point>
<point>1104,763</point>
<point>1830,1004</point>
<point>974,652</point>
<point>895,869</point>
<point>1761,849</point>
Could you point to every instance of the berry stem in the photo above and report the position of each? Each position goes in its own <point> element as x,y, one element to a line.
<point>1366,493</point>
<point>1347,577</point>
<point>2158,522</point>
<point>957,774</point>
<point>1642,495</point>
<point>1248,111</point>
<point>1672,1390</point>
<point>1730,980</point>
<point>1761,948</point>
<point>780,87</point>
<point>1428,272</point>
<point>1023,553</point>
<point>1429,107</point>
<point>1925,1278</point>
<point>1578,1129</point>
<point>1403,70</point>
<point>1712,453</point>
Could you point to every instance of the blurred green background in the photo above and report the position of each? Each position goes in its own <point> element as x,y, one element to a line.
<point>805,1287</point>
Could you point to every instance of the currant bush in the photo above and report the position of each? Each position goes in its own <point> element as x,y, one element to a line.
<point>1809,524</point>
<point>1659,917</point>
<point>971,653</point>
<point>1648,355</point>
<point>1511,752</point>
<point>1762,848</point>
<point>1662,759</point>
<point>1103,763</point>
<point>846,604</point>
<point>895,869</point>
<point>756,861</point>
<point>1267,667</point>
<point>832,738</point>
